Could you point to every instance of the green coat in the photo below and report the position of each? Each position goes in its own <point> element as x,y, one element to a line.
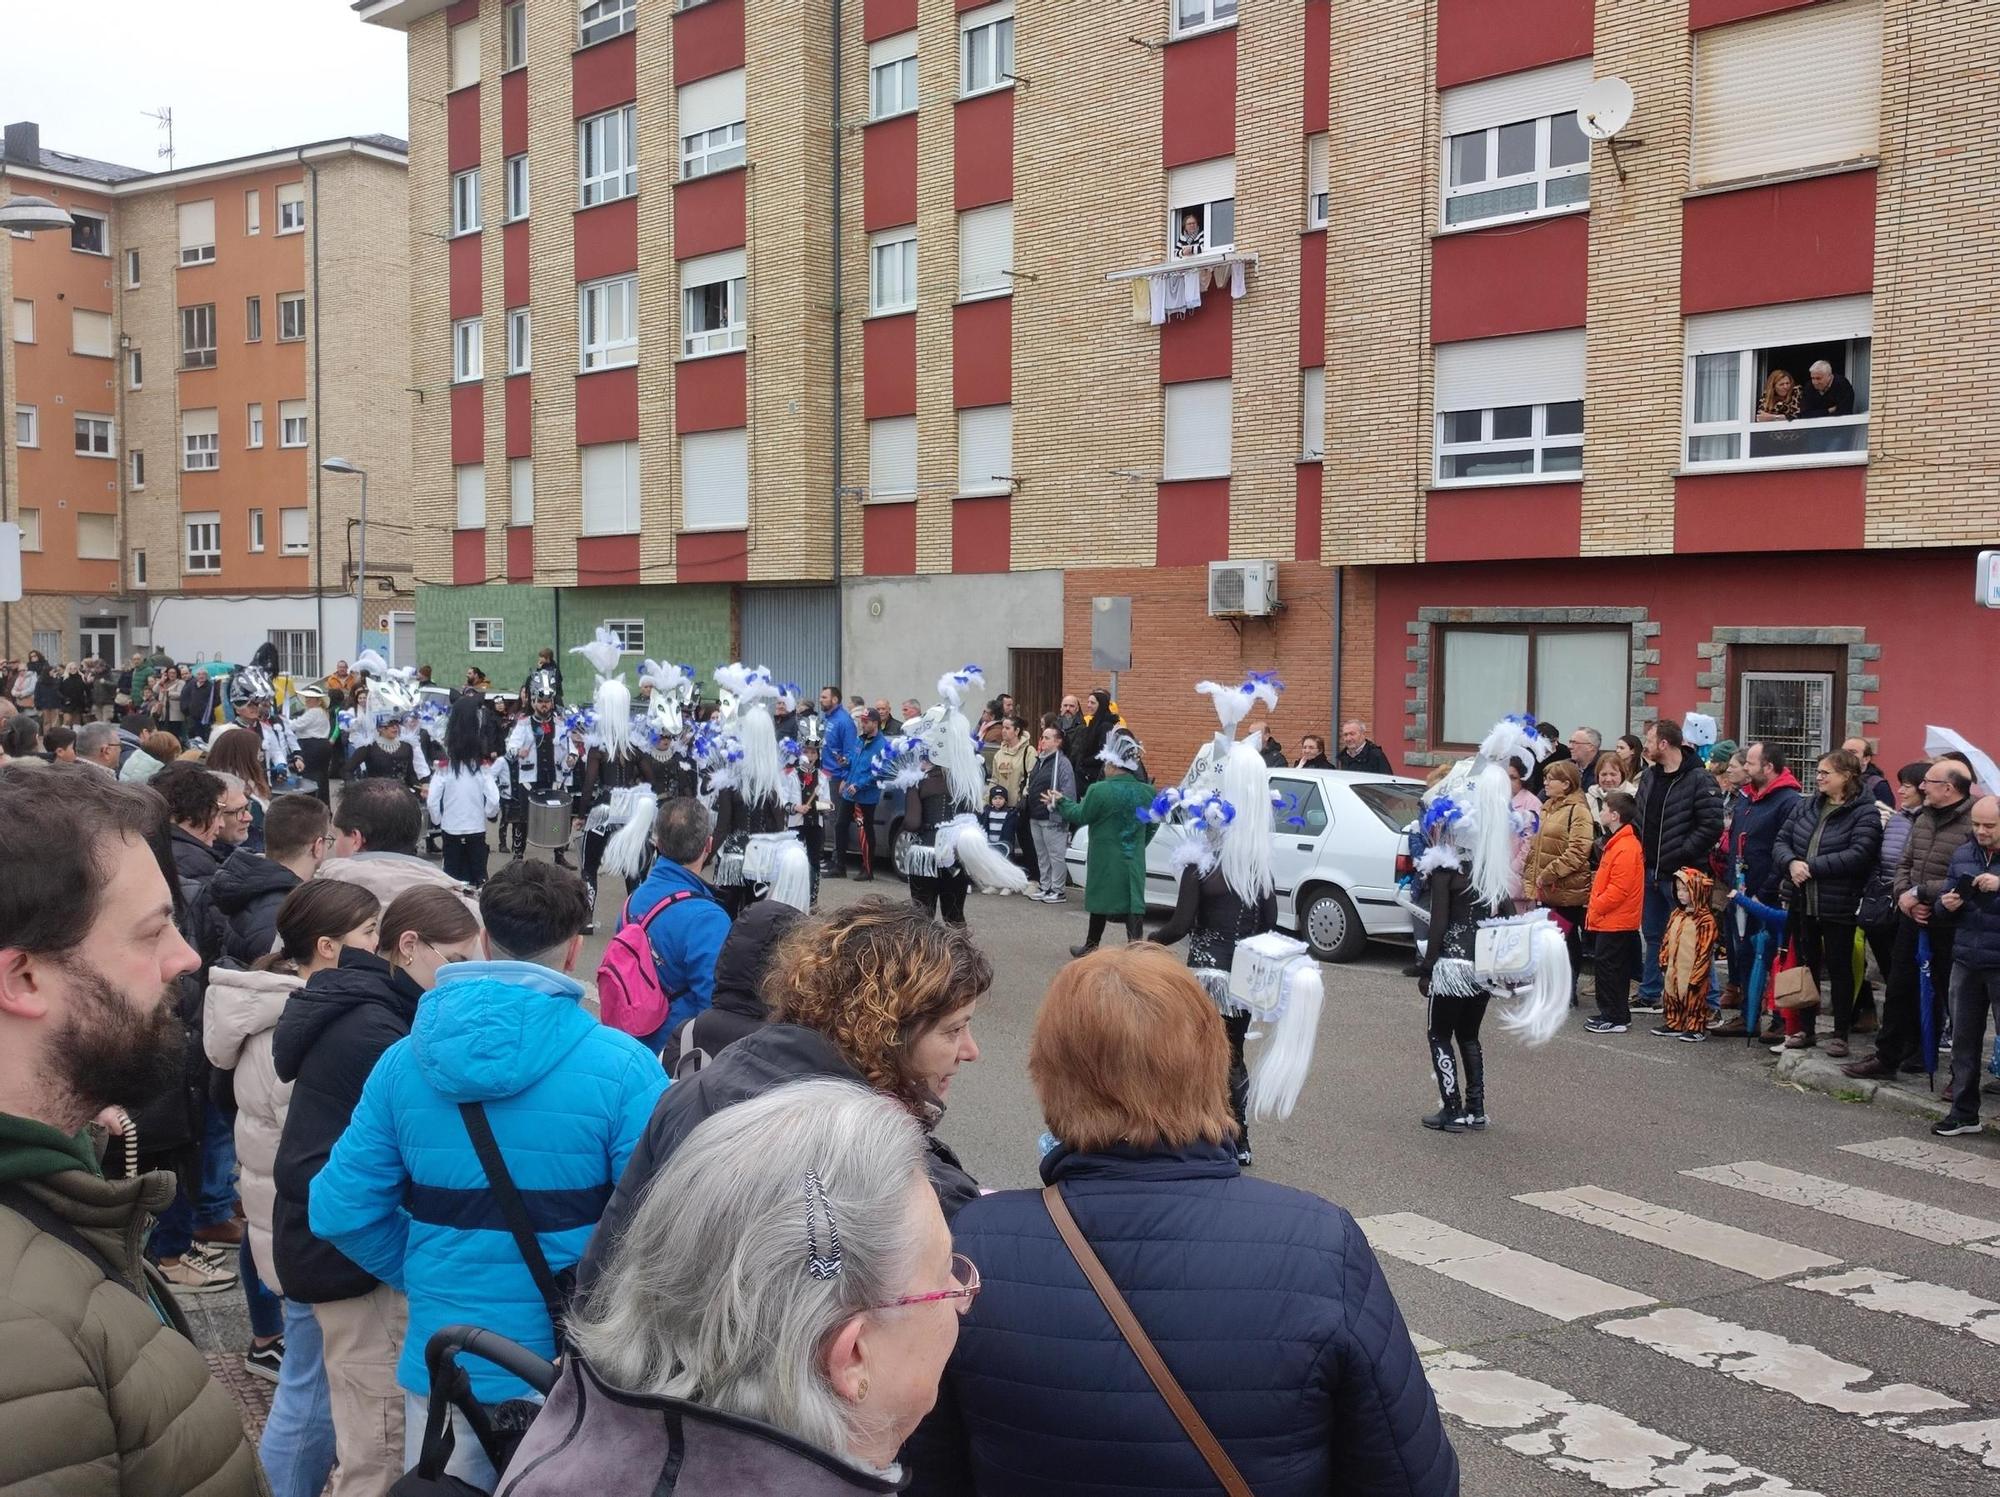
<point>1114,871</point>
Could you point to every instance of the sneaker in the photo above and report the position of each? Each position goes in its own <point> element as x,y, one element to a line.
<point>192,1274</point>
<point>1690,1036</point>
<point>265,1361</point>
<point>1604,1026</point>
<point>1954,1126</point>
<point>1648,1006</point>
<point>1663,1031</point>
<point>214,1254</point>
<point>1444,1121</point>
<point>1059,897</point>
<point>1732,1025</point>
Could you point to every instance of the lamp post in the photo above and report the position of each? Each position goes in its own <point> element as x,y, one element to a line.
<point>342,465</point>
<point>26,214</point>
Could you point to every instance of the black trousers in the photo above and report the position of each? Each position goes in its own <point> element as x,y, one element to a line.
<point>1573,916</point>
<point>849,819</point>
<point>1827,948</point>
<point>1902,1033</point>
<point>465,857</point>
<point>1236,1026</point>
<point>1617,963</point>
<point>1457,1020</point>
<point>1135,928</point>
<point>813,834</point>
<point>945,892</point>
<point>1975,994</point>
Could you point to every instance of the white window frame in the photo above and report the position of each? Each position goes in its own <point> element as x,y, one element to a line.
<point>291,208</point>
<point>601,20</point>
<point>92,518</point>
<point>721,149</point>
<point>195,353</point>
<point>97,320</point>
<point>892,76</point>
<point>253,319</point>
<point>610,306</point>
<point>1312,414</point>
<point>468,351</point>
<point>462,55</point>
<point>103,223</point>
<point>520,341</point>
<point>727,270</point>
<point>286,545</point>
<point>469,491</point>
<point>520,495</point>
<point>901,276</point>
<point>892,443</point>
<point>135,369</point>
<point>726,506</point>
<point>1193,17</point>
<point>1198,187</point>
<point>973,484</point>
<point>201,542</point>
<point>486,636</point>
<point>94,435</point>
<point>253,420</point>
<point>28,420</point>
<point>1743,428</point>
<point>287,301</point>
<point>513,36</point>
<point>256,530</point>
<point>1539,444</point>
<point>253,212</point>
<point>465,202</point>
<point>24,319</point>
<point>629,499</point>
<point>294,424</point>
<point>198,254</point>
<point>1317,195</point>
<point>630,634</point>
<point>516,177</point>
<point>298,652</point>
<point>201,451</point>
<point>29,518</point>
<point>996,280</point>
<point>139,568</point>
<point>988,31</point>
<point>131,270</point>
<point>1540,176</point>
<point>607,156</point>
<point>135,467</point>
<point>1186,454</point>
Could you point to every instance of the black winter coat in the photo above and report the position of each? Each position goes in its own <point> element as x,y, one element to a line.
<point>1370,760</point>
<point>329,1036</point>
<point>246,893</point>
<point>1266,1303</point>
<point>1850,846</point>
<point>1690,819</point>
<point>737,1008</point>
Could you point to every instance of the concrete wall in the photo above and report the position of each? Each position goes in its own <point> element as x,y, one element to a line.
<point>230,628</point>
<point>901,633</point>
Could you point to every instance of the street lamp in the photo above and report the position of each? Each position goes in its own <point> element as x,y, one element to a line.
<point>342,465</point>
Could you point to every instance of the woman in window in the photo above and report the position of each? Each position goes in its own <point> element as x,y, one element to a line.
<point>1189,240</point>
<point>1780,400</point>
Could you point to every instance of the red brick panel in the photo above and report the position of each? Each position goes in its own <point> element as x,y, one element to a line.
<point>520,553</point>
<point>889,173</point>
<point>468,557</point>
<point>1306,532</point>
<point>981,534</point>
<point>607,239</point>
<point>461,11</point>
<point>1508,522</point>
<point>607,561</point>
<point>1718,511</point>
<point>1197,346</point>
<point>514,112</point>
<point>708,214</point>
<point>708,40</point>
<point>463,256</point>
<point>889,366</point>
<point>1792,241</point>
<point>1312,300</point>
<point>1705,13</point>
<point>1319,59</point>
<point>982,354</point>
<point>888,540</point>
<point>514,264</point>
<point>1199,98</point>
<point>983,150</point>
<point>882,18</point>
<point>1526,278</point>
<point>520,415</point>
<point>710,556</point>
<point>1193,523</point>
<point>1485,38</point>
<point>607,406</point>
<point>461,128</point>
<point>710,394</point>
<point>606,75</point>
<point>468,423</point>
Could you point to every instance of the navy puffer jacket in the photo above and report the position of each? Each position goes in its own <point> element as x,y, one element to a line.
<point>1266,1303</point>
<point>1978,917</point>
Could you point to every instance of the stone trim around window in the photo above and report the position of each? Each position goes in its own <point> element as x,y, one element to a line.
<point>1713,677</point>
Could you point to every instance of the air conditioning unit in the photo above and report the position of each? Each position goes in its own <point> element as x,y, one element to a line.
<point>1242,589</point>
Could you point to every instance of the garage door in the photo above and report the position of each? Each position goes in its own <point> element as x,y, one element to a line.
<point>794,631</point>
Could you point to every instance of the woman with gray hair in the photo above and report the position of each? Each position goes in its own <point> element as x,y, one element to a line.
<point>775,1318</point>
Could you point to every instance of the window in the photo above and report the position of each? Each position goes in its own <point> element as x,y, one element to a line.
<point>93,436</point>
<point>892,270</point>
<point>131,269</point>
<point>96,537</point>
<point>202,542</point>
<point>712,311</point>
<point>1753,384</point>
<point>138,568</point>
<point>487,636</point>
<point>298,651</point>
<point>517,189</point>
<point>1512,147</point>
<point>197,228</point>
<point>513,37</point>
<point>463,44</point>
<point>519,341</point>
<point>253,319</point>
<point>135,461</point>
<point>291,423</point>
<point>470,481</point>
<point>291,318</point>
<point>292,537</point>
<point>1316,193</point>
<point>24,320</point>
<point>1197,435</point>
<point>253,212</point>
<point>90,232</point>
<point>27,426</point>
<point>986,251</point>
<point>892,458</point>
<point>1557,674</point>
<point>600,20</point>
<point>520,491</point>
<point>986,48</point>
<point>1737,68</point>
<point>201,442</point>
<point>135,370</point>
<point>1202,201</point>
<point>30,521</point>
<point>986,450</point>
<point>255,423</point>
<point>198,336</point>
<point>90,333</point>
<point>712,133</point>
<point>468,354</point>
<point>256,530</point>
<point>630,634</point>
<point>292,208</point>
<point>1510,409</point>
<point>465,202</point>
<point>1312,402</point>
<point>608,322</point>
<point>892,76</point>
<point>1197,15</point>
<point>608,155</point>
<point>715,480</point>
<point>611,488</point>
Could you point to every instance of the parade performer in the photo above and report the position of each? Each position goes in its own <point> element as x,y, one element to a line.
<point>253,700</point>
<point>662,768</point>
<point>376,742</point>
<point>755,851</point>
<point>1474,953</point>
<point>951,797</point>
<point>615,786</point>
<point>1114,866</point>
<point>542,756</point>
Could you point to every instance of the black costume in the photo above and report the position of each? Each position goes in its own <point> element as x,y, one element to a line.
<point>736,822</point>
<point>940,888</point>
<point>1214,918</point>
<point>1457,1001</point>
<point>603,774</point>
<point>378,761</point>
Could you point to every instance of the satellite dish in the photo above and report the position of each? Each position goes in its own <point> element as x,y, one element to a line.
<point>1604,108</point>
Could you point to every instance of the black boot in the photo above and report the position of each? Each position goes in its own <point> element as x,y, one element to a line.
<point>1445,1068</point>
<point>1474,1115</point>
<point>590,895</point>
<point>1084,950</point>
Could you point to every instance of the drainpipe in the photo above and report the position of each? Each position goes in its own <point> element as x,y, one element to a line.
<point>1339,575</point>
<point>317,444</point>
<point>839,320</point>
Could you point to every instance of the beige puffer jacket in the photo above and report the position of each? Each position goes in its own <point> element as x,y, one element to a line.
<point>238,1016</point>
<point>387,874</point>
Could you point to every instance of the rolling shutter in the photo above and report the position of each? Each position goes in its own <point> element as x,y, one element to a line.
<point>1313,399</point>
<point>1533,369</point>
<point>892,458</point>
<point>986,449</point>
<point>471,481</point>
<point>201,423</point>
<point>712,103</point>
<point>1513,97</point>
<point>197,224</point>
<point>1197,442</point>
<point>1202,182</point>
<point>1315,165</point>
<point>715,480</point>
<point>1833,320</point>
<point>707,270</point>
<point>611,488</point>
<point>892,49</point>
<point>985,250</point>
<point>1830,56</point>
<point>90,333</point>
<point>464,54</point>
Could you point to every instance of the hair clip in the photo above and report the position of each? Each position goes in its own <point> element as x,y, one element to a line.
<point>820,1265</point>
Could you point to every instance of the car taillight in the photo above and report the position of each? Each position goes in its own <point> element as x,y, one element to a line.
<point>1406,866</point>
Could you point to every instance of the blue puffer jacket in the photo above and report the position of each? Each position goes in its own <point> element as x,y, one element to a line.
<point>1267,1304</point>
<point>1978,919</point>
<point>403,1194</point>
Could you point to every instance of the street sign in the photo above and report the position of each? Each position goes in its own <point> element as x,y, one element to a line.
<point>10,562</point>
<point>1111,634</point>
<point>1988,591</point>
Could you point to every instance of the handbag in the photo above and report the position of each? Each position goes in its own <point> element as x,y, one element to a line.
<point>1877,906</point>
<point>1792,982</point>
<point>1217,1459</point>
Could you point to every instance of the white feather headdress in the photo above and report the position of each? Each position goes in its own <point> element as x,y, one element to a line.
<point>760,770</point>
<point>953,750</point>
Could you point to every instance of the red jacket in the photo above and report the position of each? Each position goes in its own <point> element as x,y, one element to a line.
<point>1618,891</point>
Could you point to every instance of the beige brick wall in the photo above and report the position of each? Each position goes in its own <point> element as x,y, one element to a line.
<point>152,415</point>
<point>937,277</point>
<point>853,289</point>
<point>659,301</point>
<point>493,309</point>
<point>552,291</point>
<point>433,498</point>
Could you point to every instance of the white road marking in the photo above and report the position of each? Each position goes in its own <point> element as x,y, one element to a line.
<point>1893,1294</point>
<point>1932,1159</point>
<point>1850,1202</point>
<point>1990,1249</point>
<point>1521,1278</point>
<point>1712,1242</point>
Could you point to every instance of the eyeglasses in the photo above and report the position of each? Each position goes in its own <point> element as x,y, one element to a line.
<point>964,1273</point>
<point>445,958</point>
<point>1936,782</point>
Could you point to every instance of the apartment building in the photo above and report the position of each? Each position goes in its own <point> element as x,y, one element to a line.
<point>1177,337</point>
<point>177,363</point>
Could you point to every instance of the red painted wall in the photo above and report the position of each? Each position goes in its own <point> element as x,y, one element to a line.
<point>468,557</point>
<point>1504,523</point>
<point>1319,62</point>
<point>1197,346</point>
<point>1720,511</point>
<point>882,18</point>
<point>1312,300</point>
<point>607,239</point>
<point>1193,523</point>
<point>1702,13</point>
<point>888,539</point>
<point>981,534</point>
<point>461,11</point>
<point>983,150</point>
<point>604,76</point>
<point>1827,228</point>
<point>520,415</point>
<point>461,128</point>
<point>607,406</point>
<point>889,366</point>
<point>710,394</point>
<point>468,423</point>
<point>707,40</point>
<point>1543,266</point>
<point>520,553</point>
<point>514,113</point>
<point>1305,530</point>
<point>889,173</point>
<point>514,262</point>
<point>607,560</point>
<point>708,214</point>
<point>1200,98</point>
<point>1485,38</point>
<point>712,556</point>
<point>463,257</point>
<point>982,354</point>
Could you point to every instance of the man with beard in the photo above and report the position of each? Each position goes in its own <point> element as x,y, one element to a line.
<point>88,965</point>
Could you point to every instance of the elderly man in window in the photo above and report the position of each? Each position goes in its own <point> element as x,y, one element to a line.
<point>1827,395</point>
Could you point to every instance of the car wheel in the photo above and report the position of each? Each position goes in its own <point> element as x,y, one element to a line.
<point>899,843</point>
<point>1330,927</point>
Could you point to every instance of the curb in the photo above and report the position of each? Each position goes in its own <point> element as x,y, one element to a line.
<point>1817,1073</point>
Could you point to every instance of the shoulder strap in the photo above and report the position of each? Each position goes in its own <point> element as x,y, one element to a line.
<point>1142,1347</point>
<point>511,1206</point>
<point>674,898</point>
<point>38,1215</point>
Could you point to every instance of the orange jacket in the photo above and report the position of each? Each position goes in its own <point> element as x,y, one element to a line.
<point>1618,891</point>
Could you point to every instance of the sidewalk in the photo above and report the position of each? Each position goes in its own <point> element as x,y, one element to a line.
<point>1818,1072</point>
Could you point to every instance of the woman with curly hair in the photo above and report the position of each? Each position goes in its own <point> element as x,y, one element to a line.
<point>875,992</point>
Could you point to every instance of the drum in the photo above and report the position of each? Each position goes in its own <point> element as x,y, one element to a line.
<point>548,823</point>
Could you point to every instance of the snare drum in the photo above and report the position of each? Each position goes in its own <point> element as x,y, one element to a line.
<point>548,823</point>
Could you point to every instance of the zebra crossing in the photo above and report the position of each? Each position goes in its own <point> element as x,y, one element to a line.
<point>1571,1433</point>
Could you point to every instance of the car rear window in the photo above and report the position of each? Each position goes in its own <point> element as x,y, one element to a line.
<point>1395,804</point>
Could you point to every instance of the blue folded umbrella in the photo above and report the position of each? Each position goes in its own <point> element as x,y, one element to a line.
<point>1927,1003</point>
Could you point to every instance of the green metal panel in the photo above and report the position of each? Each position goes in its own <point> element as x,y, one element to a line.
<point>688,624</point>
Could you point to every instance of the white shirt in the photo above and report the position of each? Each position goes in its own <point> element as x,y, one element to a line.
<point>462,801</point>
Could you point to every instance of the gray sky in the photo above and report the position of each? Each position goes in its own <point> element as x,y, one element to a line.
<point>240,75</point>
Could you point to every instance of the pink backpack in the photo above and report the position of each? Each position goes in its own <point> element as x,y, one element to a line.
<point>629,994</point>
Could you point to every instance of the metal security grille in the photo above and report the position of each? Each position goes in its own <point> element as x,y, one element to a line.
<point>793,631</point>
<point>1791,709</point>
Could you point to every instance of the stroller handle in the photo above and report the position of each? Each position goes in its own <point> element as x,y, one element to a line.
<point>448,1341</point>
